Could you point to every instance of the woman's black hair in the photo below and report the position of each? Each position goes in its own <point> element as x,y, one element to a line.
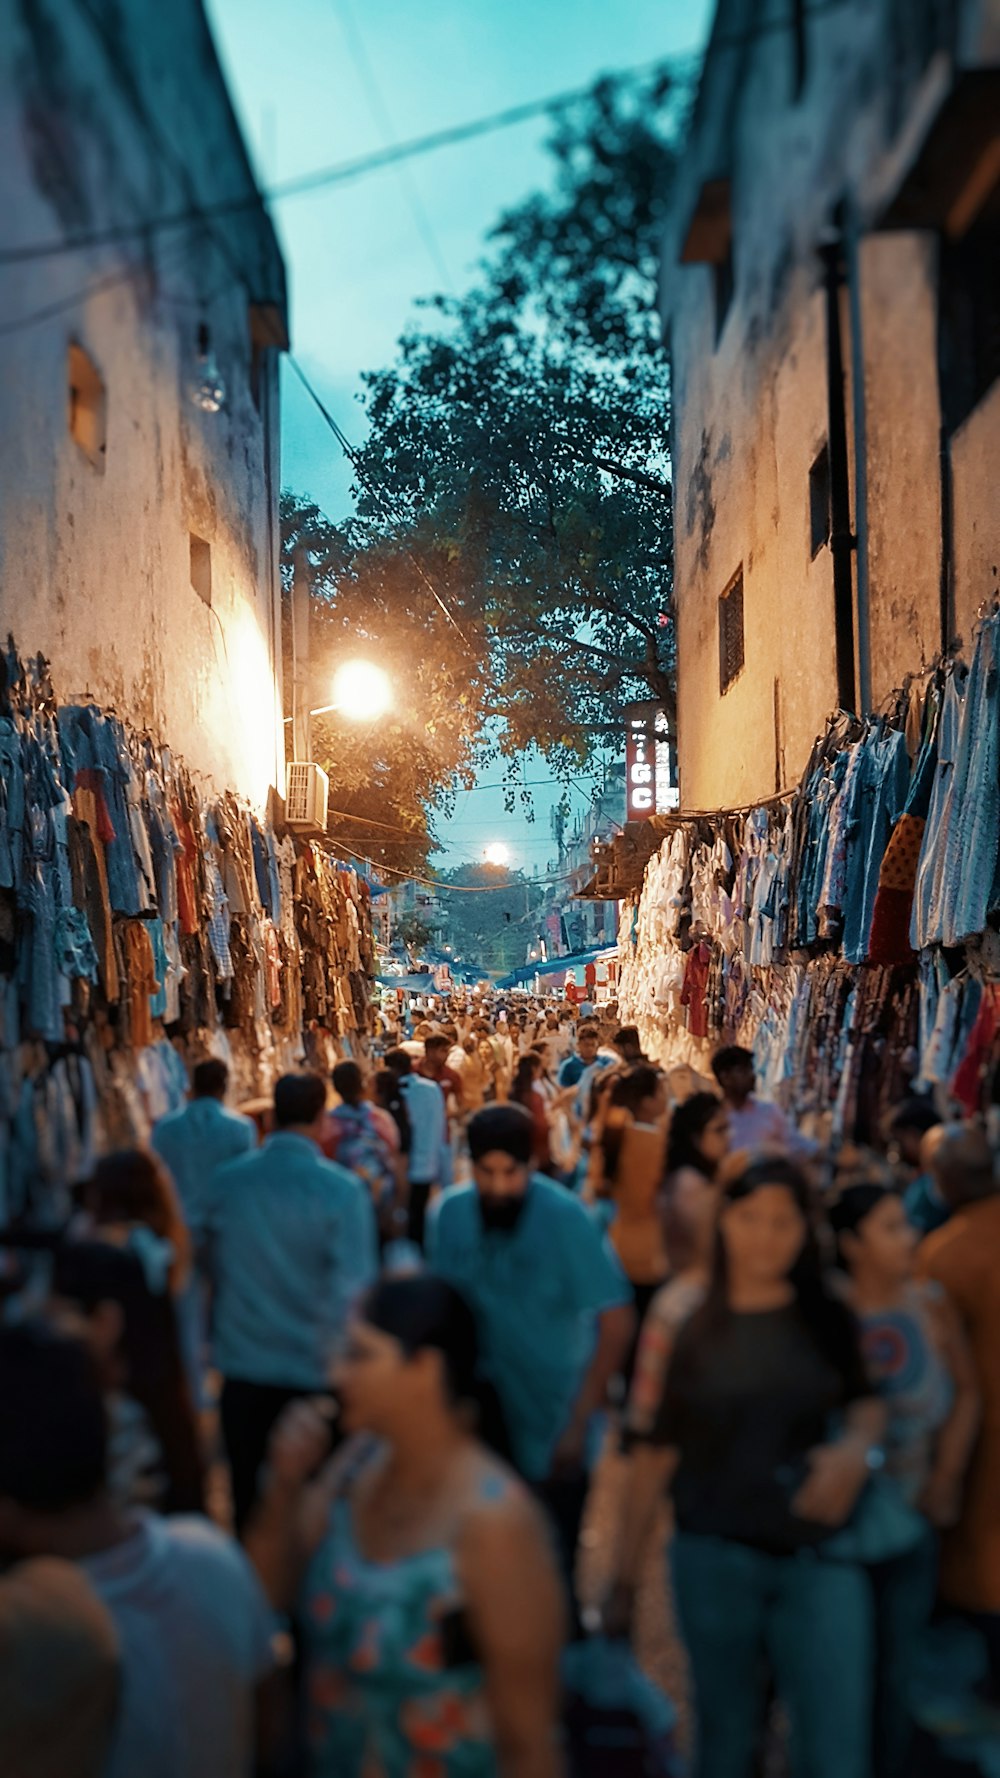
<point>389,1096</point>
<point>689,1121</point>
<point>626,1093</point>
<point>852,1207</point>
<point>423,1312</point>
<point>527,1072</point>
<point>827,1319</point>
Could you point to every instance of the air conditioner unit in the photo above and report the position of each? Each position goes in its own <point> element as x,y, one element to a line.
<point>307,795</point>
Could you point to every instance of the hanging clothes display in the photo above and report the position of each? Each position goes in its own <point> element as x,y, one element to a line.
<point>848,932</point>
<point>140,921</point>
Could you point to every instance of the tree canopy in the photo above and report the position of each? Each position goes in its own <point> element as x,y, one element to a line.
<point>510,555</point>
<point>496,927</point>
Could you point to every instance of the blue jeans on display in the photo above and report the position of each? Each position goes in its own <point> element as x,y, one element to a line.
<point>745,1614</point>
<point>926,925</point>
<point>880,796</point>
<point>971,870</point>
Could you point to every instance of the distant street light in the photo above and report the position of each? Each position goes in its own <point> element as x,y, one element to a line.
<point>497,854</point>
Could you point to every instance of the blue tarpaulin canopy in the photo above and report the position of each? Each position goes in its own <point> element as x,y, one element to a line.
<point>555,966</point>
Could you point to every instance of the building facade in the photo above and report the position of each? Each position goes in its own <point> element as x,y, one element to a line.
<point>143,314</point>
<point>831,303</point>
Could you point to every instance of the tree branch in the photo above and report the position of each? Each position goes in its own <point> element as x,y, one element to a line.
<point>639,476</point>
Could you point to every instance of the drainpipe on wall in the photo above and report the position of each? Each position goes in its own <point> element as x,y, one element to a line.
<point>841,537</point>
<point>852,246</point>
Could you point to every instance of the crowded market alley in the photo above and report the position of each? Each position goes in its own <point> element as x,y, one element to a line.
<point>500,889</point>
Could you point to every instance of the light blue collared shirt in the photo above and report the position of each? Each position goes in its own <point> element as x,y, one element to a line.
<point>193,1142</point>
<point>292,1244</point>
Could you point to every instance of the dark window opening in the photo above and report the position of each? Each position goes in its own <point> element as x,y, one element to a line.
<point>800,48</point>
<point>201,568</point>
<point>731,642</point>
<point>819,502</point>
<point>969,316</point>
<point>724,277</point>
<point>88,406</point>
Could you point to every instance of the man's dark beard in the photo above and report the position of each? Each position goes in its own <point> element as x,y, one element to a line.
<point>501,1215</point>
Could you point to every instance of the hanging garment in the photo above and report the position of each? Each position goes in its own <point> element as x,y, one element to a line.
<point>890,934</point>
<point>693,991</point>
<point>927,924</point>
<point>880,793</point>
<point>974,839</point>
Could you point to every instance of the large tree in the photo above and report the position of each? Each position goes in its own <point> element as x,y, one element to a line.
<point>491,915</point>
<point>512,539</point>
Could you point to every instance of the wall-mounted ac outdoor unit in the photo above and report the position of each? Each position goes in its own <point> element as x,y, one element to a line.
<point>307,795</point>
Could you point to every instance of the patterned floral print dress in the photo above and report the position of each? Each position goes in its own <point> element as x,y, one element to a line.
<point>390,1691</point>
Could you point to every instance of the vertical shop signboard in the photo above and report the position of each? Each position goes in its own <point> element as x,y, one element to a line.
<point>650,787</point>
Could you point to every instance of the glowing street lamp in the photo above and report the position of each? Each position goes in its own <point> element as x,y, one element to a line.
<point>361,691</point>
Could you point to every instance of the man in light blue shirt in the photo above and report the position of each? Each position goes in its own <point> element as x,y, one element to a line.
<point>193,1142</point>
<point>553,1304</point>
<point>428,1160</point>
<point>292,1244</point>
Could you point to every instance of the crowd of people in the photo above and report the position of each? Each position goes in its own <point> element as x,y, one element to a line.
<point>297,1433</point>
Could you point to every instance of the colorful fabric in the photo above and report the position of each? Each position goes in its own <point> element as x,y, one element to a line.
<point>382,1699</point>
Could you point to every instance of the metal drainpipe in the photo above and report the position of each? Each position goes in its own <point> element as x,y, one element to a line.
<point>852,244</point>
<point>841,536</point>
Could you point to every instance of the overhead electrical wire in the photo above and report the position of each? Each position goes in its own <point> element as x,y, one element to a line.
<point>383,122</point>
<point>669,67</point>
<point>378,493</point>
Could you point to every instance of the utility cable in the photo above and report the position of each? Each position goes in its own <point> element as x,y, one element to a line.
<point>383,121</point>
<point>354,458</point>
<point>668,67</point>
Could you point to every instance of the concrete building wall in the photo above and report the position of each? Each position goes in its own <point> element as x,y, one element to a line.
<point>810,148</point>
<point>109,117</point>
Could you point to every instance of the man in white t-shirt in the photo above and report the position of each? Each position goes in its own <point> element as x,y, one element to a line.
<point>194,1629</point>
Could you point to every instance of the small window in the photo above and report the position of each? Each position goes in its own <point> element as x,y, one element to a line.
<point>819,502</point>
<point>969,316</point>
<point>731,647</point>
<point>800,48</point>
<point>88,406</point>
<point>201,568</point>
<point>724,278</point>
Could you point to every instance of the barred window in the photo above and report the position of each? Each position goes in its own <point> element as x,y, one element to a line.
<point>731,650</point>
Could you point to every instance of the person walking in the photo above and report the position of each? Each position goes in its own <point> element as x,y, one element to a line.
<point>768,1430</point>
<point>416,1563</point>
<point>964,1258</point>
<point>203,1135</point>
<point>527,1092</point>
<point>364,1138</point>
<point>292,1244</point>
<point>553,1306</point>
<point>192,1623</point>
<point>754,1123</point>
<point>917,1357</point>
<point>428,1120</point>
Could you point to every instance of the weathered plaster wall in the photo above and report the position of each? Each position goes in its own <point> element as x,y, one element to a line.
<point>95,567</point>
<point>750,406</point>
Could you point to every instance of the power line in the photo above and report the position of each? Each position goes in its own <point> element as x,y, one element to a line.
<point>380,112</point>
<point>342,171</point>
<point>668,67</point>
<point>510,888</point>
<point>354,458</point>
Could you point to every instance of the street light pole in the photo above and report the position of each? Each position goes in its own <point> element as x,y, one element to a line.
<point>301,722</point>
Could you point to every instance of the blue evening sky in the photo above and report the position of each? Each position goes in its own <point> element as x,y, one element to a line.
<point>316,82</point>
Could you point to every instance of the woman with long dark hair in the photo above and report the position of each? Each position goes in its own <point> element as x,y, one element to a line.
<point>430,1604</point>
<point>698,1142</point>
<point>768,1431</point>
<point>527,1091</point>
